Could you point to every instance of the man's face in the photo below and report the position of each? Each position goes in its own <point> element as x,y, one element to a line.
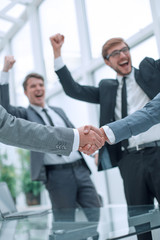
<point>35,91</point>
<point>120,63</point>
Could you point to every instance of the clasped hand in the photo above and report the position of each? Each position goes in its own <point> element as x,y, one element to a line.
<point>91,139</point>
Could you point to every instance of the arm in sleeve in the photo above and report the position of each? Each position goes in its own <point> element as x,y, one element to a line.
<point>72,88</point>
<point>21,133</point>
<point>138,122</point>
<point>4,78</point>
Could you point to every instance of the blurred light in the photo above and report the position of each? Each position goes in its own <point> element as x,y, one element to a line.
<point>4,3</point>
<point>5,25</point>
<point>16,11</point>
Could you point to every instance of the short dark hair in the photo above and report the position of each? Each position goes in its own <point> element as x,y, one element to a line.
<point>110,43</point>
<point>30,75</point>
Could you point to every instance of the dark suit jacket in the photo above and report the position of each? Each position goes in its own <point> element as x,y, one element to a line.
<point>38,171</point>
<point>147,77</point>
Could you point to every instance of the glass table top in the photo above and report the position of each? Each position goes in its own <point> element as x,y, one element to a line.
<point>115,222</point>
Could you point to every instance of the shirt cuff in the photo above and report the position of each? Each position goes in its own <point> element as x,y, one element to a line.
<point>109,133</point>
<point>58,63</point>
<point>4,78</point>
<point>76,140</point>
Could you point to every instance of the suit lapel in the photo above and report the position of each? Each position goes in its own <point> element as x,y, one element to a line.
<point>34,116</point>
<point>63,116</point>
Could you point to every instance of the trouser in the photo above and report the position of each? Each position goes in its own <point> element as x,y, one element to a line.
<point>140,171</point>
<point>69,187</point>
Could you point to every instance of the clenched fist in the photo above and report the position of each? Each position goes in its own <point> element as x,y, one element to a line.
<point>8,63</point>
<point>57,41</point>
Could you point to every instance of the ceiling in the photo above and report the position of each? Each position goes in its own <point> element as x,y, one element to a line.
<point>13,15</point>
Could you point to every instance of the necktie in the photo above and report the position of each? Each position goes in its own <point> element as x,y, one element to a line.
<point>48,117</point>
<point>124,107</point>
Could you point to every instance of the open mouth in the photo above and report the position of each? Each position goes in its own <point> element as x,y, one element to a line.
<point>123,64</point>
<point>39,95</point>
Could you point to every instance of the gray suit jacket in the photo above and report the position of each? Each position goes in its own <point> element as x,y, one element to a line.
<point>138,122</point>
<point>21,133</point>
<point>38,170</point>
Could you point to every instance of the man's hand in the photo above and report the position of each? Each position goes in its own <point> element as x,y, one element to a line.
<point>88,148</point>
<point>8,63</point>
<point>90,139</point>
<point>57,41</point>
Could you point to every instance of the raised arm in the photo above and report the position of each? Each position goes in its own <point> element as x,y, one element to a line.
<point>57,41</point>
<point>71,87</point>
<point>9,62</point>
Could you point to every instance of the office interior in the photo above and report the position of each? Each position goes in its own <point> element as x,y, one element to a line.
<point>25,28</point>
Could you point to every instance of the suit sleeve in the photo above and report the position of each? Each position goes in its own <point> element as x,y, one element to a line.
<point>19,112</point>
<point>21,133</point>
<point>138,122</point>
<point>75,90</point>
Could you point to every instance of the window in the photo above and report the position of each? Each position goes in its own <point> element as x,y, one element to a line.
<point>143,50</point>
<point>22,51</point>
<point>114,18</point>
<point>59,17</point>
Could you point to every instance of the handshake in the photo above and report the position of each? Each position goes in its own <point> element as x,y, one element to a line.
<point>91,139</point>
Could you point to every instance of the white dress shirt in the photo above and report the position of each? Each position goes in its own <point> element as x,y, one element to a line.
<point>57,121</point>
<point>136,99</point>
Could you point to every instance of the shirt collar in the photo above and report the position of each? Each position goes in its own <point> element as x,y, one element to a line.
<point>38,108</point>
<point>131,76</point>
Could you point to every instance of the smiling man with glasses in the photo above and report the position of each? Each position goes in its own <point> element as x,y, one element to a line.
<point>116,53</point>
<point>119,97</point>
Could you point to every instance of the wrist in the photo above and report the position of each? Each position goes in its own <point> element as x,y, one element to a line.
<point>57,54</point>
<point>5,70</point>
<point>104,135</point>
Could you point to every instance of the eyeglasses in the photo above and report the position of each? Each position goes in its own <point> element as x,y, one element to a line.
<point>116,53</point>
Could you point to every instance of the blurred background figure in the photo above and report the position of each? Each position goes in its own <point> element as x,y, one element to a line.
<point>65,177</point>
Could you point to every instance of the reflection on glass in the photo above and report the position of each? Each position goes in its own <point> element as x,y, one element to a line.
<point>115,18</point>
<point>8,230</point>
<point>60,18</point>
<point>114,224</point>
